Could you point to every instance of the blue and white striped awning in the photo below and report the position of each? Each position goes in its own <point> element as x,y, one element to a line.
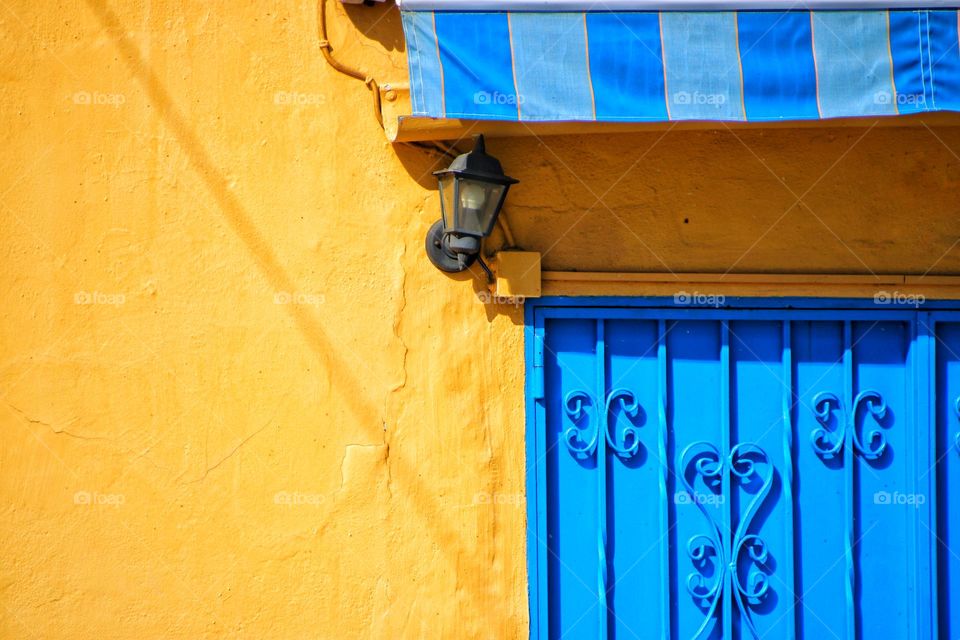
<point>566,60</point>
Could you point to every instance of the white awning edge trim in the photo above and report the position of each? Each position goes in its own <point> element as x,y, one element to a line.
<point>549,6</point>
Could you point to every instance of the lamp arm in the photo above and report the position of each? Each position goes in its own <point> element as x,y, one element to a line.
<point>483,265</point>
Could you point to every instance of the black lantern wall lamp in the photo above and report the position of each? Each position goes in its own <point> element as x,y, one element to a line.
<point>472,191</point>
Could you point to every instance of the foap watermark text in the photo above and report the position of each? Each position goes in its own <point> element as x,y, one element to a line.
<point>489,298</point>
<point>97,499</point>
<point>98,297</point>
<point>698,299</point>
<point>99,99</point>
<point>899,299</point>
<point>685,497</point>
<point>896,498</point>
<point>299,298</point>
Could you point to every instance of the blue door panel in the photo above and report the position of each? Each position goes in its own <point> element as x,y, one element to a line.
<point>758,392</point>
<point>819,562</point>
<point>947,474</point>
<point>738,474</point>
<point>634,535</point>
<point>692,348</point>
<point>887,504</point>
<point>572,538</point>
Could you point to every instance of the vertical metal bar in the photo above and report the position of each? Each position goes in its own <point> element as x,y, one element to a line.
<point>726,492</point>
<point>929,339</point>
<point>910,462</point>
<point>538,462</point>
<point>788,471</point>
<point>664,470</point>
<point>533,446</point>
<point>848,475</point>
<point>926,372</point>
<point>602,480</point>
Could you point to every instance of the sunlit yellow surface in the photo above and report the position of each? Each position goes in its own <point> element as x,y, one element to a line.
<point>237,399</point>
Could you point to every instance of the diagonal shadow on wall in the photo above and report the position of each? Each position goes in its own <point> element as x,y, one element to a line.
<point>264,257</point>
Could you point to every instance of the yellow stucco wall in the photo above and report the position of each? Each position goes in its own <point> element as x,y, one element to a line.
<point>237,400</point>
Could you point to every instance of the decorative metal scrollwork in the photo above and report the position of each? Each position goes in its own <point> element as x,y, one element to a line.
<point>828,443</point>
<point>825,441</point>
<point>578,440</point>
<point>742,560</point>
<point>582,436</point>
<point>629,442</point>
<point>876,442</point>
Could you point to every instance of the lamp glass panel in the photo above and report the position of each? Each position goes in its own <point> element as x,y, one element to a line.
<point>447,194</point>
<point>478,206</point>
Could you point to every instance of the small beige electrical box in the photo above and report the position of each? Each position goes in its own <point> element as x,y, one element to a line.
<point>518,274</point>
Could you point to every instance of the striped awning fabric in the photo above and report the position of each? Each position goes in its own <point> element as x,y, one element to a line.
<point>528,62</point>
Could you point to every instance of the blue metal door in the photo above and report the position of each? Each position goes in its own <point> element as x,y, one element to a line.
<point>748,473</point>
